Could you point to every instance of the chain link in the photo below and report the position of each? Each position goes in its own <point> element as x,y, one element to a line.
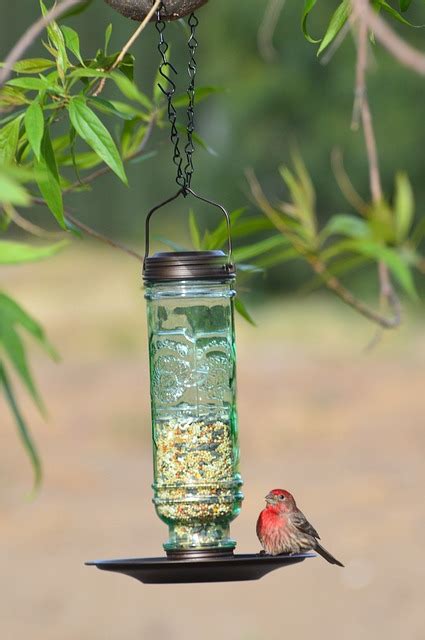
<point>184,175</point>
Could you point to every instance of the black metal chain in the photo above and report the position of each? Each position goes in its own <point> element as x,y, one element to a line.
<point>184,175</point>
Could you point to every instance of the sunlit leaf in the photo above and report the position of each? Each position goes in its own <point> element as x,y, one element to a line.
<point>24,433</point>
<point>33,65</point>
<point>243,311</point>
<point>48,179</point>
<point>394,13</point>
<point>241,254</point>
<point>195,234</point>
<point>17,252</point>
<point>345,225</point>
<point>96,135</point>
<point>9,138</point>
<point>130,91</point>
<point>34,126</point>
<point>336,23</point>
<point>403,206</point>
<point>72,41</point>
<point>11,192</point>
<point>308,6</point>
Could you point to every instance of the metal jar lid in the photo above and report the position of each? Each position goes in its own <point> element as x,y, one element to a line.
<point>188,265</point>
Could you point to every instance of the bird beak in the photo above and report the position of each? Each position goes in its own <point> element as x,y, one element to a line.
<point>270,498</point>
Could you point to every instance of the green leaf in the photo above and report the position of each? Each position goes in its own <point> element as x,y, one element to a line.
<point>336,23</point>
<point>201,94</point>
<point>11,192</point>
<point>403,207</point>
<point>15,315</point>
<point>33,65</point>
<point>308,6</point>
<point>278,258</point>
<point>105,106</point>
<point>9,138</point>
<point>34,126</point>
<point>72,41</point>
<point>58,42</point>
<point>17,252</point>
<point>217,238</point>
<point>345,225</point>
<point>195,234</point>
<point>74,11</point>
<point>30,84</point>
<point>405,4</point>
<point>395,14</point>
<point>48,179</point>
<point>130,91</point>
<point>243,311</point>
<point>22,427</point>
<point>14,349</point>
<point>108,34</point>
<point>241,254</point>
<point>93,131</point>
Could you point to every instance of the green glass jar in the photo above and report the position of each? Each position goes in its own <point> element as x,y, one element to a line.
<point>197,486</point>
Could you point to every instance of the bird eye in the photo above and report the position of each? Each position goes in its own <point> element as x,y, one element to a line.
<point>281,497</point>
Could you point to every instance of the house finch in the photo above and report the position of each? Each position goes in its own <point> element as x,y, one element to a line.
<point>283,528</point>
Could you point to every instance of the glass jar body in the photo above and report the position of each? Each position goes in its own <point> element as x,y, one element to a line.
<point>194,419</point>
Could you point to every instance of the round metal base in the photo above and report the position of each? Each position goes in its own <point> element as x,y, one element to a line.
<point>213,568</point>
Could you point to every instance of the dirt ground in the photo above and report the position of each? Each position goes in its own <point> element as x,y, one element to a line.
<point>342,429</point>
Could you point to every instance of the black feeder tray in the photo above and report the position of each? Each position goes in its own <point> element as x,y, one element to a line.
<point>199,567</point>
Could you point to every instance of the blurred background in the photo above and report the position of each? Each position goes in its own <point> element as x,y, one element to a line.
<point>340,427</point>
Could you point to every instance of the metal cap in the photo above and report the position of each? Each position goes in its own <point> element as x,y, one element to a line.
<point>188,265</point>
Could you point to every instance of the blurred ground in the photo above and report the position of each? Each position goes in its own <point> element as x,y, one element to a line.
<point>342,429</point>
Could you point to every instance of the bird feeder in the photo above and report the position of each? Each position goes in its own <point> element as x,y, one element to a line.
<point>190,305</point>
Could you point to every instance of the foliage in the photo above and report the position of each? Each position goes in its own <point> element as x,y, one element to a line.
<point>66,118</point>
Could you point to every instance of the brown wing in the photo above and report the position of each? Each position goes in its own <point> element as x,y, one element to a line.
<point>302,524</point>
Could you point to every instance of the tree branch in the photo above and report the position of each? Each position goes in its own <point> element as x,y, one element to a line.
<point>267,29</point>
<point>129,44</point>
<point>401,50</point>
<point>31,34</point>
<point>319,267</point>
<point>362,110</point>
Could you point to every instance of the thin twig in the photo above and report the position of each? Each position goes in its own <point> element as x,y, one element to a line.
<point>268,28</point>
<point>129,44</point>
<point>28,226</point>
<point>401,50</point>
<point>102,238</point>
<point>345,183</point>
<point>362,110</point>
<point>31,34</point>
<point>336,43</point>
<point>331,282</point>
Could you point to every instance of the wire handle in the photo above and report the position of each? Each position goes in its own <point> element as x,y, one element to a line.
<point>184,191</point>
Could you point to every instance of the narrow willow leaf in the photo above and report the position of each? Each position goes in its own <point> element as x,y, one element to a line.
<point>72,42</point>
<point>241,254</point>
<point>58,42</point>
<point>30,84</point>
<point>243,311</point>
<point>34,126</point>
<point>395,14</point>
<point>33,65</point>
<point>24,433</point>
<point>48,179</point>
<point>14,314</point>
<point>403,207</point>
<point>345,225</point>
<point>105,106</point>
<point>108,34</point>
<point>9,138</point>
<point>93,131</point>
<point>14,349</point>
<point>278,258</point>
<point>217,238</point>
<point>130,91</point>
<point>11,192</point>
<point>18,252</point>
<point>308,6</point>
<point>74,11</point>
<point>201,94</point>
<point>195,234</point>
<point>336,23</point>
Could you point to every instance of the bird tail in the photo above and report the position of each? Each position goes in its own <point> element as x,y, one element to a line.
<point>326,555</point>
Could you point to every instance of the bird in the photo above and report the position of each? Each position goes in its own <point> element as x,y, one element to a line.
<point>283,528</point>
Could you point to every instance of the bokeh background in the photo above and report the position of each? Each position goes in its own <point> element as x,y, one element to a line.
<point>340,426</point>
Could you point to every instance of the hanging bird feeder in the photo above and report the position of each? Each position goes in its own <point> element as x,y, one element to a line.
<point>190,304</point>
